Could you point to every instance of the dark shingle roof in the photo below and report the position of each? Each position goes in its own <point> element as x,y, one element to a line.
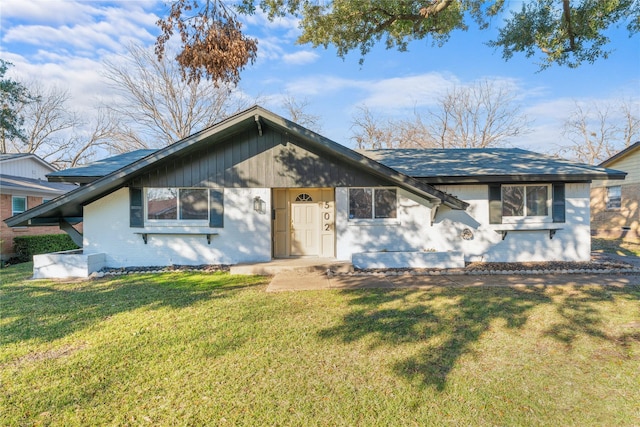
<point>92,171</point>
<point>467,165</point>
<point>19,183</point>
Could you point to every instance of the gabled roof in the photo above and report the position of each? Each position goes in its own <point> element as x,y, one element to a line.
<point>627,151</point>
<point>11,157</point>
<point>12,184</point>
<point>92,171</point>
<point>475,165</point>
<point>69,206</point>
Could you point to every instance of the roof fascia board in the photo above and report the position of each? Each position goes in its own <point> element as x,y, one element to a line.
<point>522,178</point>
<point>73,179</point>
<point>627,151</point>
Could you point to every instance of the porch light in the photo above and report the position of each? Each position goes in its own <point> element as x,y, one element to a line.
<point>259,205</point>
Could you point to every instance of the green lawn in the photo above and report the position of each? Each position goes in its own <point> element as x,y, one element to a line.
<point>616,246</point>
<point>193,349</point>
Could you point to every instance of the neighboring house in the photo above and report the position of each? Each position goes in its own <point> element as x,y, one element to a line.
<point>256,187</point>
<point>23,186</point>
<point>615,206</point>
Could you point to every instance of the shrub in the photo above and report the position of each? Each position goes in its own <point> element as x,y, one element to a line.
<point>26,247</point>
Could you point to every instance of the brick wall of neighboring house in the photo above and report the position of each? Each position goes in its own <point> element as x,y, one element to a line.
<point>7,233</point>
<point>623,222</point>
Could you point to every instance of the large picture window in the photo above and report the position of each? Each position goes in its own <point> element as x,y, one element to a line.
<point>177,204</point>
<point>372,203</point>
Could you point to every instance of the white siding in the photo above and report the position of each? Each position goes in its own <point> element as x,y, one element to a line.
<point>413,231</point>
<point>246,235</point>
<point>26,167</point>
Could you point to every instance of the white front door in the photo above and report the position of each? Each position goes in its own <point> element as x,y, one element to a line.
<point>305,224</point>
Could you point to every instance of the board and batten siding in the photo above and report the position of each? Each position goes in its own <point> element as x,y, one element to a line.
<point>247,160</point>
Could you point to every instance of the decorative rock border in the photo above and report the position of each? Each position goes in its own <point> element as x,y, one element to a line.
<point>452,272</point>
<point>108,272</point>
<point>480,269</point>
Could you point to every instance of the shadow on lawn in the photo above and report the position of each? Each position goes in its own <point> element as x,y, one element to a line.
<point>448,321</point>
<point>49,311</point>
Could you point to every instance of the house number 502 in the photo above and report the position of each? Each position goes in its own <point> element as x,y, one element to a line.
<point>326,216</point>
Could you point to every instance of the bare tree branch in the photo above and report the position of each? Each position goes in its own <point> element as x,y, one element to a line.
<point>478,116</point>
<point>157,107</point>
<point>599,130</point>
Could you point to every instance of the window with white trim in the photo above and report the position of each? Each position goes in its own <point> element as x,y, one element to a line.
<point>521,201</point>
<point>614,197</point>
<point>18,205</point>
<point>373,203</point>
<point>177,204</point>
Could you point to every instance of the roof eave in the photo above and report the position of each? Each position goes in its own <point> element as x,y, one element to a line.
<point>72,179</point>
<point>627,151</point>
<point>617,175</point>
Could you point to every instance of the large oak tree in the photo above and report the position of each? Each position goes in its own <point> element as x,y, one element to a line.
<point>562,32</point>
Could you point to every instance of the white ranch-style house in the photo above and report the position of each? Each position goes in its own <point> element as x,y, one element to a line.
<point>256,187</point>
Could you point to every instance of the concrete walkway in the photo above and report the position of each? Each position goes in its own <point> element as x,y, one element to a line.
<point>305,280</point>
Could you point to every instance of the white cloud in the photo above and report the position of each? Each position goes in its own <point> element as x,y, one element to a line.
<point>50,12</point>
<point>81,28</point>
<point>300,58</point>
<point>407,92</point>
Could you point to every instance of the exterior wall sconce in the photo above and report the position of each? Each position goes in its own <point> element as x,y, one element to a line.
<point>259,205</point>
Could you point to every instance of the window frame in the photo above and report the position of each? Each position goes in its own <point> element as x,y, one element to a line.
<point>373,217</point>
<point>608,205</point>
<point>26,207</point>
<point>178,220</point>
<point>556,210</point>
<point>526,217</point>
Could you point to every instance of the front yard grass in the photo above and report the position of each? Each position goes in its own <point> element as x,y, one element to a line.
<point>215,349</point>
<point>616,246</point>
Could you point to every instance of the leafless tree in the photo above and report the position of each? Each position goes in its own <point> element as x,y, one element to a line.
<point>56,133</point>
<point>48,121</point>
<point>297,111</point>
<point>156,107</point>
<point>599,130</point>
<point>372,132</point>
<point>481,115</point>
<point>84,146</point>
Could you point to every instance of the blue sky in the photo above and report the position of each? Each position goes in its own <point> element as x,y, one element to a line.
<point>64,43</point>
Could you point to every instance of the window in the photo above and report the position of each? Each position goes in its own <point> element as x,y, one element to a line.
<point>370,203</point>
<point>18,205</point>
<point>304,197</point>
<point>525,200</point>
<point>177,204</point>
<point>614,197</point>
<point>518,202</point>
